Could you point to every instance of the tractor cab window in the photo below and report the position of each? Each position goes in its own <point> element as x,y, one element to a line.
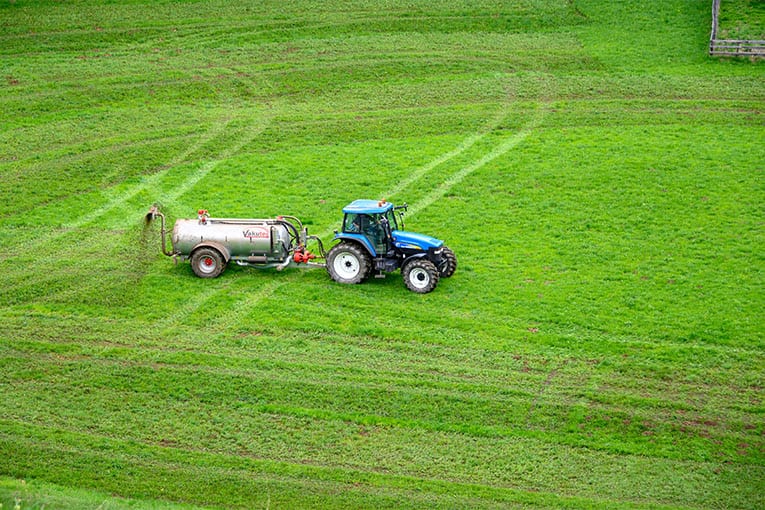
<point>357,223</point>
<point>391,217</point>
<point>368,225</point>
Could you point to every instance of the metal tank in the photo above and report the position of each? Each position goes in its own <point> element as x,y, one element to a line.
<point>211,243</point>
<point>256,241</point>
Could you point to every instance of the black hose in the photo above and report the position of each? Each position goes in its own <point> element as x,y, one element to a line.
<point>296,235</point>
<point>321,246</point>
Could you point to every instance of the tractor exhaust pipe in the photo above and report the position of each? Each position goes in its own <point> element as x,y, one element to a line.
<point>151,215</point>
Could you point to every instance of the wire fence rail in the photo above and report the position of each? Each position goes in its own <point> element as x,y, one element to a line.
<point>732,47</point>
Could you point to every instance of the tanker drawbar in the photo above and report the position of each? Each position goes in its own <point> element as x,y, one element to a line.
<point>210,244</point>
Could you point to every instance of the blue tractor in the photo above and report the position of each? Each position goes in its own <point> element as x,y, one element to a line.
<point>371,242</point>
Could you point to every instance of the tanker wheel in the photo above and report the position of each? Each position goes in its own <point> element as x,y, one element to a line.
<point>420,275</point>
<point>207,263</point>
<point>348,263</point>
<point>447,269</point>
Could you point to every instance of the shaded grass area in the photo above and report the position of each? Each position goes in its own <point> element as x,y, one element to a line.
<point>599,346</point>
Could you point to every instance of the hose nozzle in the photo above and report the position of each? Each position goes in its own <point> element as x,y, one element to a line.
<point>153,212</point>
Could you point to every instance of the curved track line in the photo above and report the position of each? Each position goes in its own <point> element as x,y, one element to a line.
<point>456,178</point>
<point>226,320</point>
<point>199,300</point>
<point>119,198</point>
<point>190,306</point>
<point>466,144</point>
<point>462,147</point>
<point>241,308</point>
<point>428,167</point>
<point>150,181</point>
<point>249,135</point>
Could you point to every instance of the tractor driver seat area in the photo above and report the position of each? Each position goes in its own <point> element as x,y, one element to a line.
<point>369,226</point>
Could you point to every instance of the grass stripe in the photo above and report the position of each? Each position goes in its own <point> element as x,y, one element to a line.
<point>435,163</point>
<point>340,396</point>
<point>174,467</point>
<point>505,146</point>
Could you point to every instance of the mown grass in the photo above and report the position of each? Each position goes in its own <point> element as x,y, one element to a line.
<point>36,495</point>
<point>598,176</point>
<point>742,19</point>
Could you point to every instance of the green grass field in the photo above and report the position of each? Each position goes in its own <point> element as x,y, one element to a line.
<point>742,19</point>
<point>600,178</point>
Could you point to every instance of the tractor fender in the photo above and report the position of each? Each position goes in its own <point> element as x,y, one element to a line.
<point>414,256</point>
<point>215,246</point>
<point>357,238</point>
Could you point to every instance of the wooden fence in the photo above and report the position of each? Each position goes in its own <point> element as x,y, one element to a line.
<point>732,47</point>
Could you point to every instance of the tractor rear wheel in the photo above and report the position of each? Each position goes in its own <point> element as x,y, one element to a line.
<point>207,263</point>
<point>348,263</point>
<point>447,269</point>
<point>420,275</point>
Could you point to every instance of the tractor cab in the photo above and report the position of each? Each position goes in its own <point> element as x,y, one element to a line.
<point>371,223</point>
<point>376,226</point>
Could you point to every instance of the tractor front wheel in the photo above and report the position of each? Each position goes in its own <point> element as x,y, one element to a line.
<point>420,275</point>
<point>348,263</point>
<point>447,268</point>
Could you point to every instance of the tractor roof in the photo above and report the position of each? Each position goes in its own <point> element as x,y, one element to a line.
<point>368,207</point>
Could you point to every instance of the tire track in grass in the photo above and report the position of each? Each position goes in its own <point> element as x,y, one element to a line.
<point>120,199</point>
<point>462,147</point>
<point>250,133</point>
<point>233,315</point>
<point>221,322</point>
<point>543,98</point>
<point>116,199</point>
<point>504,147</point>
<point>153,180</point>
<point>199,300</point>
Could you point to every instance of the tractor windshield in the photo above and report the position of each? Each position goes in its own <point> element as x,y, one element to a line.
<point>391,217</point>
